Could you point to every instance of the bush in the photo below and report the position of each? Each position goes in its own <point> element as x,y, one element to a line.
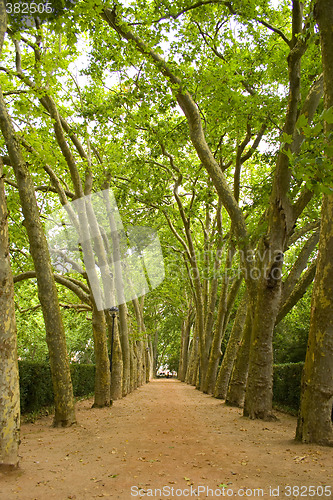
<point>36,388</point>
<point>287,385</point>
<point>83,379</point>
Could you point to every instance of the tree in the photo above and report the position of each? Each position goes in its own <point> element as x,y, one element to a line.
<point>285,204</point>
<point>55,335</point>
<point>9,377</point>
<point>315,418</point>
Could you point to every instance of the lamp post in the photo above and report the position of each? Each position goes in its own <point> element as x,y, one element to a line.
<point>113,311</point>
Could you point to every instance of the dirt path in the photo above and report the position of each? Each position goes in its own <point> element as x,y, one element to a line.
<point>166,434</point>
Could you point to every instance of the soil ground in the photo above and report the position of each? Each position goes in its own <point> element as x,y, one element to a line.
<point>167,435</point>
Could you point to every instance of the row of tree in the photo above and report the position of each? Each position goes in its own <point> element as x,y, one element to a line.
<point>223,145</point>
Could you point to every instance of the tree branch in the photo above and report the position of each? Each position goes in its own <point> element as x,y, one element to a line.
<point>6,160</point>
<point>57,187</point>
<point>304,198</point>
<point>77,307</point>
<point>195,6</point>
<point>275,30</point>
<point>238,166</point>
<point>255,144</point>
<point>303,230</point>
<point>68,283</point>
<point>192,114</point>
<point>298,292</point>
<point>299,265</point>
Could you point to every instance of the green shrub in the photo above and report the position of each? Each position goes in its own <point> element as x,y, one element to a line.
<point>36,389</point>
<point>83,379</point>
<point>287,384</point>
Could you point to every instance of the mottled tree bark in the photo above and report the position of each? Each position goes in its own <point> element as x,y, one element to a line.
<point>225,306</point>
<point>133,367</point>
<point>9,376</point>
<point>315,417</point>
<point>191,375</point>
<point>125,347</point>
<point>230,354</point>
<point>140,362</point>
<point>188,376</point>
<point>117,360</point>
<point>102,376</point>
<point>155,354</point>
<point>237,386</point>
<point>144,357</point>
<point>259,390</point>
<point>148,360</point>
<point>184,348</point>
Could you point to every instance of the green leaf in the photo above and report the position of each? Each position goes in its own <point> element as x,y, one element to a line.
<point>327,115</point>
<point>317,129</point>
<point>327,190</point>
<point>286,138</point>
<point>301,122</point>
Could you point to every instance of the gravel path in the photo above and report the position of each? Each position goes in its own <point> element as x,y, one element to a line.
<point>167,440</point>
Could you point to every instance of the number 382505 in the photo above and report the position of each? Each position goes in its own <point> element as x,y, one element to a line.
<point>29,8</point>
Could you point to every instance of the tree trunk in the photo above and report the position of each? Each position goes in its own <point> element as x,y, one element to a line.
<point>9,376</point>
<point>189,370</point>
<point>147,360</point>
<point>125,347</point>
<point>151,359</point>
<point>102,375</point>
<point>198,380</point>
<point>315,417</point>
<point>134,366</point>
<point>193,368</point>
<point>139,350</point>
<point>155,345</point>
<point>116,391</point>
<point>79,218</point>
<point>259,390</point>
<point>215,350</point>
<point>281,220</point>
<point>184,351</point>
<point>181,367</point>
<point>237,386</point>
<point>47,292</point>
<point>220,327</point>
<point>230,354</point>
